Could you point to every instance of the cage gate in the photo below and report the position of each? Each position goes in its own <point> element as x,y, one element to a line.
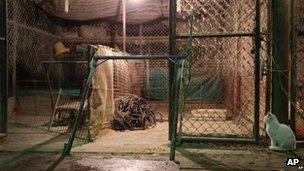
<point>222,41</point>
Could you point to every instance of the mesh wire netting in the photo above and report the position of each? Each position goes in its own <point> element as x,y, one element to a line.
<point>30,41</point>
<point>136,77</point>
<point>230,60</point>
<point>221,100</point>
<point>64,94</point>
<point>299,115</point>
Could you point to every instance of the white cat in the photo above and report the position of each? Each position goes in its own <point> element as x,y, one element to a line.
<point>282,137</point>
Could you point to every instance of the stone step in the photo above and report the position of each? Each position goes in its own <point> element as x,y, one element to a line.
<point>209,114</point>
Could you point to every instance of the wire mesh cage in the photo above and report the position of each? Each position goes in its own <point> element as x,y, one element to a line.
<point>127,85</point>
<point>217,38</point>
<point>220,99</point>
<point>221,95</point>
<point>30,39</point>
<point>299,82</point>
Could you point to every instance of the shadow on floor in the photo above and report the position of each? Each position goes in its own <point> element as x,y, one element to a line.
<point>27,148</point>
<point>204,161</point>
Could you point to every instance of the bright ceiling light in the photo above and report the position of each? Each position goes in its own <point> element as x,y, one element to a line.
<point>66,6</point>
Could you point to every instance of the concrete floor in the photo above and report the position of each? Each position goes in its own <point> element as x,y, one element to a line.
<point>33,149</point>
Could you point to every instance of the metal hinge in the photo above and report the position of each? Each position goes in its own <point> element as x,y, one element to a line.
<point>2,38</point>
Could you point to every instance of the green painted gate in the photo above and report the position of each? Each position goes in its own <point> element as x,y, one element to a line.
<point>222,40</point>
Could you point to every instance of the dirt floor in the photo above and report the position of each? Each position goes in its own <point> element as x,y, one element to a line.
<point>34,149</point>
<point>152,140</point>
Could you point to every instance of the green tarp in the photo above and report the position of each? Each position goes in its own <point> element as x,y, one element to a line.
<point>207,89</point>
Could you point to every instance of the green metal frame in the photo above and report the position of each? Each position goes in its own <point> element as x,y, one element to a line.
<point>257,48</point>
<point>257,45</point>
<point>3,67</point>
<point>174,61</point>
<point>172,25</point>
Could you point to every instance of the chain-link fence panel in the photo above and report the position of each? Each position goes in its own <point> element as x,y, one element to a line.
<point>115,92</point>
<point>142,39</point>
<point>220,93</point>
<point>215,16</point>
<point>299,103</point>
<point>31,36</point>
<point>264,57</point>
<point>221,88</point>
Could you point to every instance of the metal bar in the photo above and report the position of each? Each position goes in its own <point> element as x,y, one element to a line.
<point>172,85</point>
<point>68,146</point>
<point>2,39</point>
<point>124,25</point>
<point>140,57</point>
<point>54,109</point>
<point>31,81</point>
<point>49,86</point>
<point>119,39</point>
<point>89,53</point>
<point>176,108</point>
<point>3,67</point>
<point>281,52</point>
<point>269,61</point>
<point>35,99</point>
<point>182,101</point>
<point>217,35</point>
<point>216,139</point>
<point>293,51</point>
<point>65,62</point>
<point>148,79</point>
<point>257,43</point>
<point>172,24</point>
<point>189,67</point>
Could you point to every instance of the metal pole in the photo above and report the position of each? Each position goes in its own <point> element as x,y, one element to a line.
<point>269,57</point>
<point>221,35</point>
<point>293,51</point>
<point>172,24</point>
<point>177,88</point>
<point>124,25</point>
<point>280,62</point>
<point>257,43</point>
<point>68,146</point>
<point>46,69</point>
<point>3,67</point>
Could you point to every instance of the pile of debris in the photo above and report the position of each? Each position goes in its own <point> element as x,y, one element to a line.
<point>132,112</point>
